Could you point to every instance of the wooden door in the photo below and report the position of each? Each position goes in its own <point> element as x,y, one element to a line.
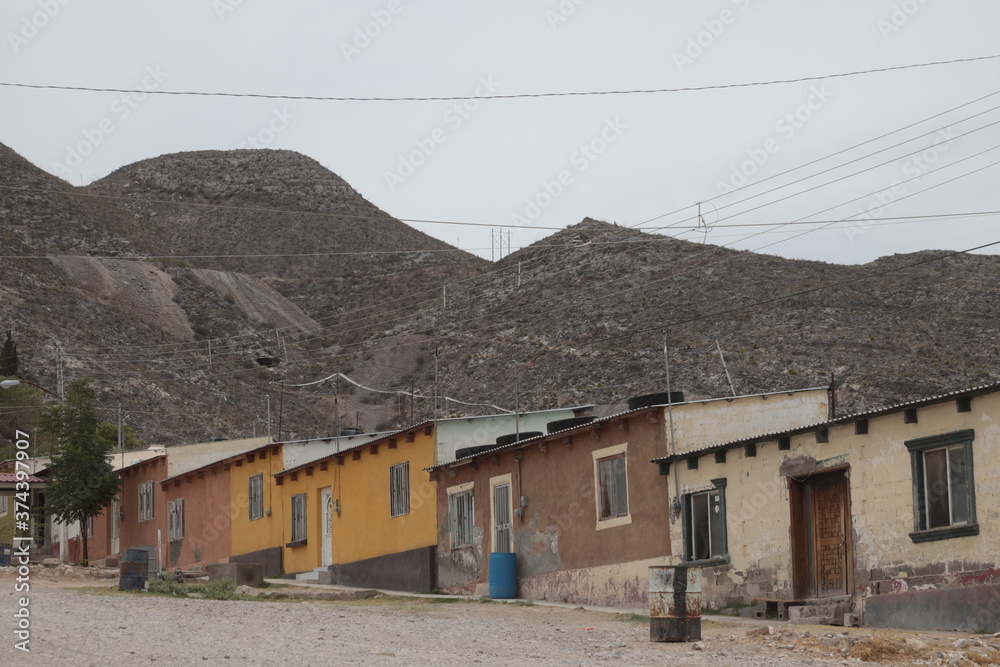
<point>821,536</point>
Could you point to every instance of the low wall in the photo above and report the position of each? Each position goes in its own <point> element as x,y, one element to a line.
<point>414,571</point>
<point>968,608</point>
<point>624,585</point>
<point>269,558</point>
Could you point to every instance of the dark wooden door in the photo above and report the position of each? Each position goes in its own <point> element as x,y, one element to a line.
<point>821,545</point>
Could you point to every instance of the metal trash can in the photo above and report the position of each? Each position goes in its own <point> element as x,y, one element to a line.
<point>674,603</point>
<point>133,570</point>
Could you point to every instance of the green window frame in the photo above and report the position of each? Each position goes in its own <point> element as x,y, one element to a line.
<point>944,488</point>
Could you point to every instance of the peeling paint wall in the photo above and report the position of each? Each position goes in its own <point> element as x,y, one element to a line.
<point>885,559</point>
<point>564,550</point>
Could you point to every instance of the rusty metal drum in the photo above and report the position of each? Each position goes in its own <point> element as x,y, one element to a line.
<point>674,603</point>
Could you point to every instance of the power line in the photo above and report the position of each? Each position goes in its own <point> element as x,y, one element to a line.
<point>457,98</point>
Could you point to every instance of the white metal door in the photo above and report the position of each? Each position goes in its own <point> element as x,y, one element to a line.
<point>502,524</point>
<point>115,525</point>
<point>326,499</point>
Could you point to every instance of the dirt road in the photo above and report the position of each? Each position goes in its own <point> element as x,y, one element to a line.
<point>98,626</point>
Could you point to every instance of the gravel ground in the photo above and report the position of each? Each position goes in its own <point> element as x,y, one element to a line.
<point>97,626</point>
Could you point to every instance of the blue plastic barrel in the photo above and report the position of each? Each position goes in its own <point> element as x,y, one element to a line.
<point>133,570</point>
<point>503,576</point>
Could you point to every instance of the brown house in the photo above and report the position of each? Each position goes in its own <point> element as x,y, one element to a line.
<point>582,507</point>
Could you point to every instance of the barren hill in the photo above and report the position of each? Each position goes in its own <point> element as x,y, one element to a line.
<point>193,348</point>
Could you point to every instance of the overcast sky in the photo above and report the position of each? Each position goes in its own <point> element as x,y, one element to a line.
<point>549,162</point>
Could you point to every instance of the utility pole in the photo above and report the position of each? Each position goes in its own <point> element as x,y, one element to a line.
<point>268,399</point>
<point>336,413</point>
<point>670,418</point>
<point>435,383</point>
<point>121,435</point>
<point>411,402</point>
<point>60,386</point>
<point>725,367</point>
<point>210,353</point>
<point>281,408</point>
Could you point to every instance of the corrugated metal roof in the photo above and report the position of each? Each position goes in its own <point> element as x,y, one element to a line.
<point>601,420</point>
<point>368,443</point>
<point>939,398</point>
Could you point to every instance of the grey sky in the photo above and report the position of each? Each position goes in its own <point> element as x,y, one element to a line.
<point>546,162</point>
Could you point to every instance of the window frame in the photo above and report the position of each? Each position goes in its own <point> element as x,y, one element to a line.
<point>256,498</point>
<point>88,527</point>
<point>175,520</point>
<point>147,501</point>
<point>299,518</point>
<point>497,528</point>
<point>3,506</point>
<point>399,489</point>
<point>469,527</point>
<point>606,455</point>
<point>687,503</point>
<point>918,449</point>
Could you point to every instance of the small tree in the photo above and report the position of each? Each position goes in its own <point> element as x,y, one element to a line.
<point>83,480</point>
<point>9,363</point>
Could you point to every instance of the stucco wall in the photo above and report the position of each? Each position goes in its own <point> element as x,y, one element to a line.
<point>133,532</point>
<point>705,423</point>
<point>364,527</point>
<point>885,559</point>
<point>207,518</point>
<point>562,547</point>
<point>265,532</point>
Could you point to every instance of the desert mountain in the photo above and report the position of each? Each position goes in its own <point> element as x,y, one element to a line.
<point>192,347</point>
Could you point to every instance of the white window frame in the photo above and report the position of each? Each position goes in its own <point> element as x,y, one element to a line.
<point>715,510</point>
<point>175,519</point>
<point>399,489</point>
<point>3,506</point>
<point>88,527</point>
<point>147,501</point>
<point>462,524</point>
<point>598,456</point>
<point>300,528</point>
<point>495,529</point>
<point>255,492</point>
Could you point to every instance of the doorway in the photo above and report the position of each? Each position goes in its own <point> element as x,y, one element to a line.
<point>822,553</point>
<point>326,503</point>
<point>115,525</point>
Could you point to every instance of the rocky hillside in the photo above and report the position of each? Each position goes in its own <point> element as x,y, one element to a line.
<point>192,347</point>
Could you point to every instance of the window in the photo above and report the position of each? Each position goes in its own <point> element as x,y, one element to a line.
<point>943,486</point>
<point>88,527</point>
<point>175,519</point>
<point>3,506</point>
<point>146,509</point>
<point>705,523</point>
<point>611,486</point>
<point>399,489</point>
<point>299,518</point>
<point>614,488</point>
<point>460,510</point>
<point>256,493</point>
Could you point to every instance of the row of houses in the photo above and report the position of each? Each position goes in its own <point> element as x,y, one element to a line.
<point>888,516</point>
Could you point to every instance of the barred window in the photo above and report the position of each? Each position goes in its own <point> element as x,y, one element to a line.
<point>256,493</point>
<point>299,517</point>
<point>146,509</point>
<point>399,489</point>
<point>175,519</point>
<point>460,509</point>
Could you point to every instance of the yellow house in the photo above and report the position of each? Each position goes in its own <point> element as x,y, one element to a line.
<point>256,508</point>
<point>364,515</point>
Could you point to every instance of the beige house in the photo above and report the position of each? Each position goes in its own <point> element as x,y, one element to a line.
<point>889,515</point>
